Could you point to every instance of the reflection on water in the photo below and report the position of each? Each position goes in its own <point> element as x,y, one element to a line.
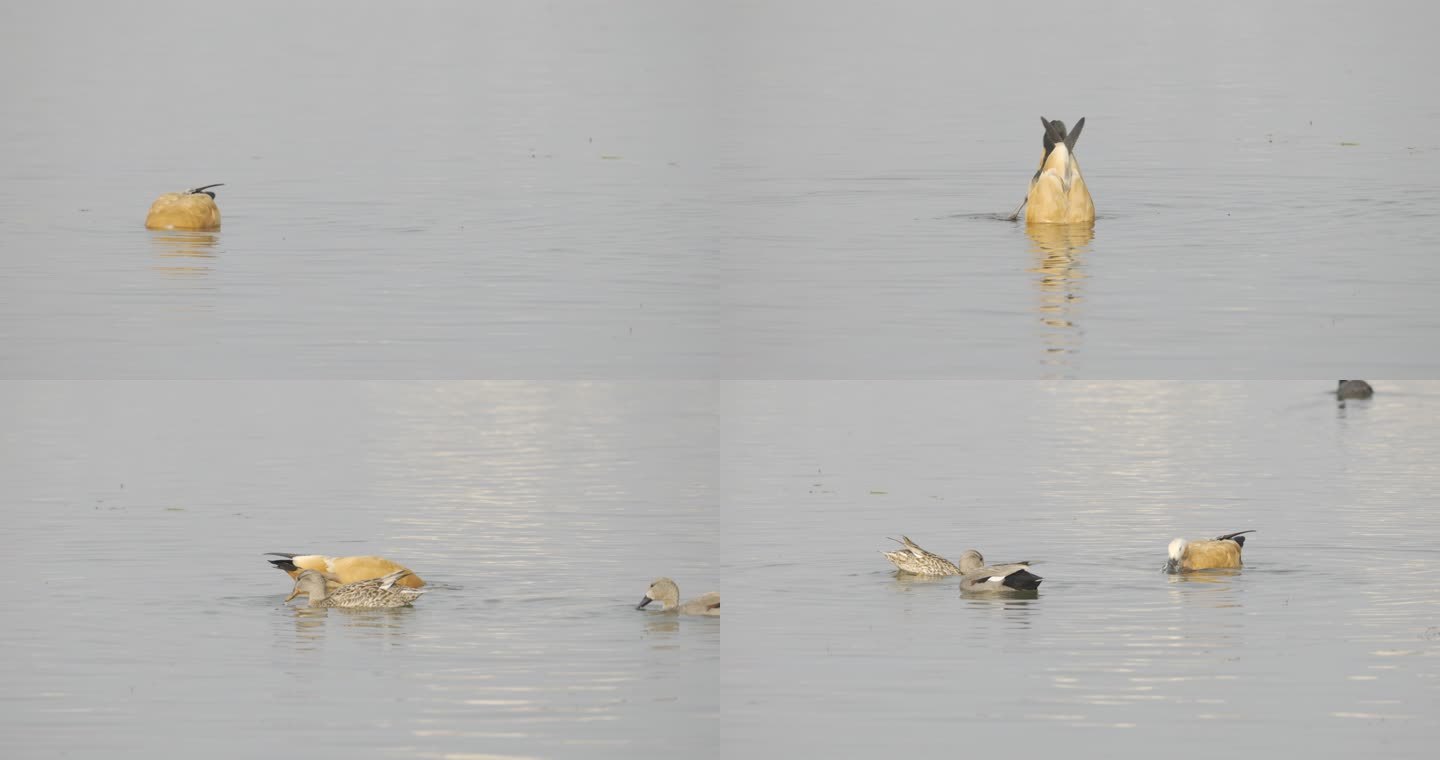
<point>536,511</point>
<point>1091,481</point>
<point>1341,405</point>
<point>993,595</point>
<point>663,624</point>
<point>309,627</point>
<point>184,253</point>
<point>1213,575</point>
<point>1058,249</point>
<point>1213,589</point>
<point>1012,611</point>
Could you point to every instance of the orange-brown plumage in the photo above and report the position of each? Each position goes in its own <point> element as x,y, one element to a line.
<point>1220,552</point>
<point>1058,194</point>
<point>191,210</point>
<point>344,570</point>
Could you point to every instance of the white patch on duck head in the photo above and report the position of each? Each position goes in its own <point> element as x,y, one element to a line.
<point>1177,552</point>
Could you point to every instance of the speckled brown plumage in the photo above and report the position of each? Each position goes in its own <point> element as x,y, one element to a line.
<point>373,593</point>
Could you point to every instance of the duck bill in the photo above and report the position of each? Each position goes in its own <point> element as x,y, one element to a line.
<point>293,594</point>
<point>643,602</point>
<point>1172,565</point>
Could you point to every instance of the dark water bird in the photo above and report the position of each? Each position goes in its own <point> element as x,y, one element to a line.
<point>1354,389</point>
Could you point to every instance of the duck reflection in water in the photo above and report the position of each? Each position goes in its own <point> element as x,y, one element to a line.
<point>184,253</point>
<point>1058,250</point>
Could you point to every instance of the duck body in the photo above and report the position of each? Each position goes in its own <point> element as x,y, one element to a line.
<point>1354,389</point>
<point>1058,194</point>
<point>192,209</point>
<point>1219,552</point>
<point>344,569</point>
<point>917,561</point>
<point>667,593</point>
<point>375,593</point>
<point>978,576</point>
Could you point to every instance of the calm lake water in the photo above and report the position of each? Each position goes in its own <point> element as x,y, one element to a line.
<point>1326,644</point>
<point>546,300</point>
<point>538,514</point>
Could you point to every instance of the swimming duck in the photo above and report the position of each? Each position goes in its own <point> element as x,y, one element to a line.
<point>373,593</point>
<point>193,209</point>
<point>1058,194</point>
<point>664,591</point>
<point>1221,551</point>
<point>343,569</point>
<point>917,561</point>
<point>1015,576</point>
<point>1354,389</point>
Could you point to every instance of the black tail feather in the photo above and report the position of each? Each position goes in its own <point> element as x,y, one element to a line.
<point>1074,135</point>
<point>1238,538</point>
<point>1022,580</point>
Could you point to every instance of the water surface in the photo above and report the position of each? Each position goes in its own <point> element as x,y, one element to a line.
<point>549,299</point>
<point>538,514</point>
<point>1327,642</point>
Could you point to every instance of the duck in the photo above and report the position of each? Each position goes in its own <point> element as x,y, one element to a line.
<point>978,576</point>
<point>1353,389</point>
<point>667,593</point>
<point>1058,194</point>
<point>192,209</point>
<point>917,561</point>
<point>1219,552</point>
<point>344,569</point>
<point>373,593</point>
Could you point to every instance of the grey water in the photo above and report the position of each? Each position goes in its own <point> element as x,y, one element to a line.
<point>1326,643</point>
<point>146,618</point>
<point>546,300</point>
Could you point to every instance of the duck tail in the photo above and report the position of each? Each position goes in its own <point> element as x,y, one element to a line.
<point>1022,580</point>
<point>1238,538</point>
<point>1074,135</point>
<point>389,580</point>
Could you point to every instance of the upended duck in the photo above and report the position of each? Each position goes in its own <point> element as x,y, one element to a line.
<point>1219,552</point>
<point>978,576</point>
<point>1353,389</point>
<point>1058,194</point>
<point>667,593</point>
<point>343,569</point>
<point>374,593</point>
<point>193,209</point>
<point>913,559</point>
